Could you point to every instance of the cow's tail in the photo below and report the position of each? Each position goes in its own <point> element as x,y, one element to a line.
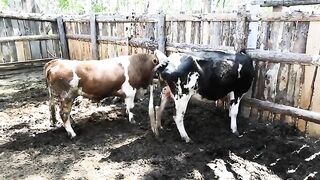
<point>46,70</point>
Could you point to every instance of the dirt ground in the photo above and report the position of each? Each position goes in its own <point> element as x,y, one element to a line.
<point>109,147</point>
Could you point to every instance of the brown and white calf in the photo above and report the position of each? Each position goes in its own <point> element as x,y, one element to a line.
<point>96,80</point>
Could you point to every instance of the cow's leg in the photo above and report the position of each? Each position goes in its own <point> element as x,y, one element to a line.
<point>65,109</point>
<point>166,95</point>
<point>129,101</point>
<point>181,107</point>
<point>129,105</point>
<point>152,117</point>
<point>52,109</point>
<point>233,112</point>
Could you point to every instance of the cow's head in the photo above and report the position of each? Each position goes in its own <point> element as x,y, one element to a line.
<point>162,60</point>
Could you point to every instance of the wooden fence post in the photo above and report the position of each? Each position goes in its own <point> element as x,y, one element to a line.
<point>93,35</point>
<point>162,32</point>
<point>241,29</point>
<point>63,39</point>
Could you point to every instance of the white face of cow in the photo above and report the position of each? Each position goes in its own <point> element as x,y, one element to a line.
<point>163,59</point>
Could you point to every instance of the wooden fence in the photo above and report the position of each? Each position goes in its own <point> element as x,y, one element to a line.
<point>286,55</point>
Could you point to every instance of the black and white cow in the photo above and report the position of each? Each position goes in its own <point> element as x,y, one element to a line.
<point>205,75</point>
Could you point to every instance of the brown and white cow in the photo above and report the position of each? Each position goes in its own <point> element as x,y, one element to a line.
<point>96,80</point>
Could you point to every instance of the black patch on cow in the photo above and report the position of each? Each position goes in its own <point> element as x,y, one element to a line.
<point>182,72</point>
<point>221,77</point>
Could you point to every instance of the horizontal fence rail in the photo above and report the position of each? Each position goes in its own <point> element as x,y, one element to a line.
<point>29,38</point>
<point>28,16</point>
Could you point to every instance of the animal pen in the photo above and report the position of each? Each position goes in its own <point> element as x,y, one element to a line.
<point>283,45</point>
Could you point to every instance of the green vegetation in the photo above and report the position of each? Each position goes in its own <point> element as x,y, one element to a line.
<point>97,7</point>
<point>4,3</point>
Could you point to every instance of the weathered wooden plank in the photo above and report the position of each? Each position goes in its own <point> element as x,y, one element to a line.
<point>187,35</point>
<point>20,51</point>
<point>150,31</point>
<point>233,29</point>
<point>35,50</point>
<point>55,43</point>
<point>34,45</point>
<point>272,3</point>
<point>283,73</point>
<point>258,87</point>
<point>93,36</point>
<point>28,16</point>
<point>161,27</point>
<point>22,67</point>
<point>10,45</point>
<point>205,32</point>
<point>205,17</point>
<point>44,51</point>
<point>174,29</point>
<point>62,37</point>
<point>283,109</point>
<point>104,29</point>
<point>310,91</point>
<point>296,16</point>
<point>144,18</point>
<point>181,29</point>
<point>262,42</point>
<point>216,38</point>
<point>4,50</point>
<point>225,33</point>
<point>241,30</point>
<point>282,57</point>
<point>195,32</point>
<point>28,38</point>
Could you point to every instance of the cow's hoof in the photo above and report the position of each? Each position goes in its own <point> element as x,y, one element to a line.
<point>132,121</point>
<point>187,139</point>
<point>72,135</point>
<point>236,133</point>
<point>55,125</point>
<point>155,132</point>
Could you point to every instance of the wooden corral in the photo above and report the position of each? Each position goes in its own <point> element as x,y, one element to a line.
<point>26,37</point>
<point>284,46</point>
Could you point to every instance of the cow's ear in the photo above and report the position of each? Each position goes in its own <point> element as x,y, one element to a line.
<point>155,61</point>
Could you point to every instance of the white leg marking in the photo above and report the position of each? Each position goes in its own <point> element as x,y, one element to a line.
<point>231,97</point>
<point>67,126</point>
<point>239,69</point>
<point>151,113</point>
<point>233,112</point>
<point>181,106</point>
<point>129,100</point>
<point>129,91</point>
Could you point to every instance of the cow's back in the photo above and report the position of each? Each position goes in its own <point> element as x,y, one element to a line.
<point>228,72</point>
<point>100,79</point>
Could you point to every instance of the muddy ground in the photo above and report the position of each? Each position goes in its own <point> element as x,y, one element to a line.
<point>109,147</point>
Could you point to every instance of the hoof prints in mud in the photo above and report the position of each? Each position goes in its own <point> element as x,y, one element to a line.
<point>109,147</point>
